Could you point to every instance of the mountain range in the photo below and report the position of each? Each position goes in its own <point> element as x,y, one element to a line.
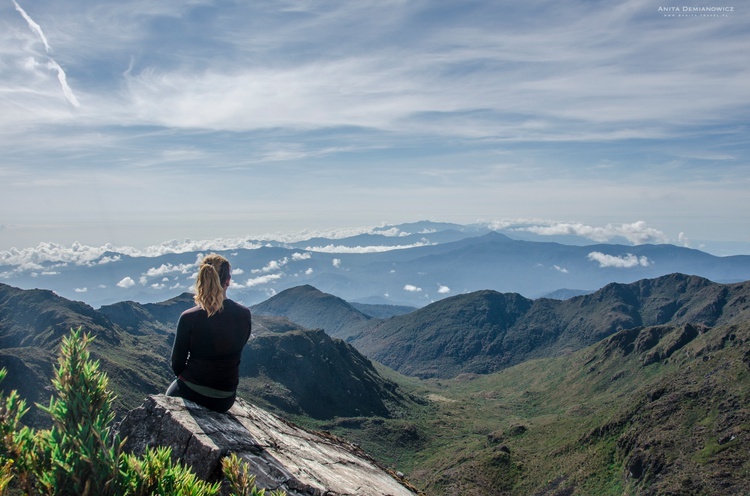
<point>486,331</point>
<point>284,366</point>
<point>424,263</point>
<point>635,388</point>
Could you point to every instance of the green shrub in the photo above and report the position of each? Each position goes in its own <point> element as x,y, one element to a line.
<point>79,455</point>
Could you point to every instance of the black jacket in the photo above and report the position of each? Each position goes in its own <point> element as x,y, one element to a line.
<point>207,349</point>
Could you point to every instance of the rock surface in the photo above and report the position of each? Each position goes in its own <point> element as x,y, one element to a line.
<point>280,454</point>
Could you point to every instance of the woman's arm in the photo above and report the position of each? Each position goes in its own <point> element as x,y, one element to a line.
<point>181,347</point>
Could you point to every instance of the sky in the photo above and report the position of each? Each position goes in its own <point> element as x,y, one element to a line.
<point>134,122</point>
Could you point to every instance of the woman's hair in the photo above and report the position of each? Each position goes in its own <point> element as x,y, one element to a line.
<point>213,275</point>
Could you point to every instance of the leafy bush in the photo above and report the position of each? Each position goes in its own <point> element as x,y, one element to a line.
<point>80,455</point>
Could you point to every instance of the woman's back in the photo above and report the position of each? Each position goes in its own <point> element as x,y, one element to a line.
<point>214,345</point>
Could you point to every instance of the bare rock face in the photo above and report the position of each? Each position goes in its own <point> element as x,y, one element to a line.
<point>280,454</point>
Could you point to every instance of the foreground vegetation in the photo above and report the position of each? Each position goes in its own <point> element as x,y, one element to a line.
<point>80,455</point>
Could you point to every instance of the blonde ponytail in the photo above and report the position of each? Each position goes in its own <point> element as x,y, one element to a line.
<point>213,274</point>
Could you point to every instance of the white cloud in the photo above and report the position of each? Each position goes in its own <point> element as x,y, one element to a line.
<point>683,240</point>
<point>336,262</point>
<point>392,232</point>
<point>637,232</point>
<point>81,290</point>
<point>126,283</point>
<point>81,254</point>
<point>33,26</point>
<point>362,249</point>
<point>273,265</point>
<point>168,268</point>
<point>63,79</point>
<point>561,269</point>
<point>626,262</point>
<point>308,272</point>
<point>51,63</point>
<point>412,289</point>
<point>257,281</point>
<point>444,289</point>
<point>296,256</point>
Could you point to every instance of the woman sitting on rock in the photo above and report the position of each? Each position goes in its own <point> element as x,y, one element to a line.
<point>209,340</point>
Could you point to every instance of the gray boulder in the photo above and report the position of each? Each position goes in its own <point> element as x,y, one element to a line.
<point>280,454</point>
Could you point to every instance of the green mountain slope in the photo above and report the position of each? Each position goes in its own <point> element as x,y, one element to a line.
<point>39,317</point>
<point>32,322</point>
<point>485,331</point>
<point>285,367</point>
<point>459,334</point>
<point>306,372</point>
<point>315,310</point>
<point>651,410</point>
<point>146,318</point>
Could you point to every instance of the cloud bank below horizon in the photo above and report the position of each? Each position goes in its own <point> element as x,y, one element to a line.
<point>33,259</point>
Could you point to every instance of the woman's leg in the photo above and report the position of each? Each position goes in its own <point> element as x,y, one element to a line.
<point>179,388</point>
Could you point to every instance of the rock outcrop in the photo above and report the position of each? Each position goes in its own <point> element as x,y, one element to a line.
<point>280,454</point>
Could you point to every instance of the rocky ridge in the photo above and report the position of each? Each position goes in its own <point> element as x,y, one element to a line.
<point>280,454</point>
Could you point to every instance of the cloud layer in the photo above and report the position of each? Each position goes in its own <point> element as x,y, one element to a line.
<point>79,254</point>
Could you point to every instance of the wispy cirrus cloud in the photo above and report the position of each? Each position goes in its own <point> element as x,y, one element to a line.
<point>575,69</point>
<point>51,63</point>
<point>33,25</point>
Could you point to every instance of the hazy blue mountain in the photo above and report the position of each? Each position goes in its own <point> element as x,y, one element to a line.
<point>565,294</point>
<point>429,262</point>
<point>382,311</point>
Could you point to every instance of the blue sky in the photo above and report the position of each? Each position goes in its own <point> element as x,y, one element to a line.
<point>137,122</point>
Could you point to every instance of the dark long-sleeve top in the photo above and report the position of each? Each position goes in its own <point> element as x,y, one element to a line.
<point>207,349</point>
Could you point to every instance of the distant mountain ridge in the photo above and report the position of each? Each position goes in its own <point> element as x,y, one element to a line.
<point>407,265</point>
